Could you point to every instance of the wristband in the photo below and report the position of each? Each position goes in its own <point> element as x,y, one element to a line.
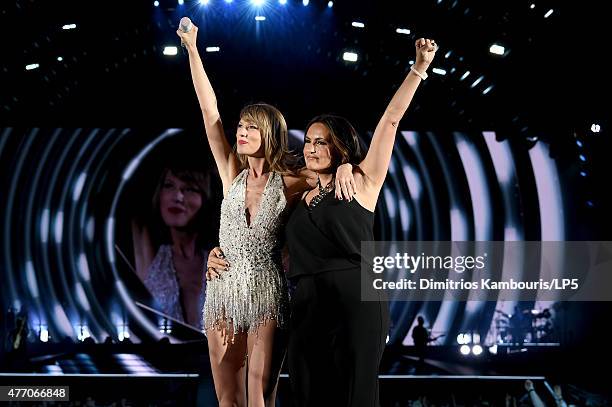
<point>423,75</point>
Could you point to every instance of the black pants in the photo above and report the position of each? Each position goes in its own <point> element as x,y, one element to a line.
<point>336,341</point>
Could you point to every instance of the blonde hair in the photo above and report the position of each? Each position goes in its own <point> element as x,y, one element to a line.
<point>273,129</point>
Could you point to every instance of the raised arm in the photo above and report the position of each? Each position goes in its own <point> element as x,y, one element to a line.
<point>536,401</point>
<point>226,160</point>
<point>376,163</point>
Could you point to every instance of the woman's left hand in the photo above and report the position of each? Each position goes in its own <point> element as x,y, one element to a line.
<point>425,53</point>
<point>345,182</point>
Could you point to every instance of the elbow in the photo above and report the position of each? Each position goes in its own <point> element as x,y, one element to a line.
<point>211,116</point>
<point>392,116</point>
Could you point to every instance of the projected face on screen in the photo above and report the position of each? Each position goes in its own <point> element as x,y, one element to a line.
<point>172,265</point>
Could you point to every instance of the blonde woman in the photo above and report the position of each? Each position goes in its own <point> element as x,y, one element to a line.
<point>246,310</point>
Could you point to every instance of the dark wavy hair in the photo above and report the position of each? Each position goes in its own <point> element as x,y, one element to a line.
<point>348,146</point>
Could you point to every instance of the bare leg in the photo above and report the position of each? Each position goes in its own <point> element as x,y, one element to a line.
<point>227,362</point>
<point>267,348</point>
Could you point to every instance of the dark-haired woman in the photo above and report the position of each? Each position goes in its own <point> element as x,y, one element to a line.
<point>336,339</point>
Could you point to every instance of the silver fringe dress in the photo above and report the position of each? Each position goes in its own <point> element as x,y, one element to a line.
<point>162,283</point>
<point>254,290</point>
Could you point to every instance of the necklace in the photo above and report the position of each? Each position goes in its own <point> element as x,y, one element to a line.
<point>322,192</point>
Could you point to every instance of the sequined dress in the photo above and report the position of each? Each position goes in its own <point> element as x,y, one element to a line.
<point>254,290</point>
<point>162,283</point>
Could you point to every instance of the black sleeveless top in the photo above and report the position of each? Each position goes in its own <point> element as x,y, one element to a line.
<point>329,237</point>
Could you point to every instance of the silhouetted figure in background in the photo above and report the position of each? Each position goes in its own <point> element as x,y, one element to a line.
<point>516,326</point>
<point>17,342</point>
<point>420,336</point>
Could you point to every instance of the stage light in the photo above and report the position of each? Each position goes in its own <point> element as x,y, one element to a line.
<point>43,333</point>
<point>330,4</point>
<point>402,31</point>
<point>411,62</point>
<point>228,1</point>
<point>350,56</point>
<point>476,338</point>
<point>487,90</point>
<point>497,49</point>
<point>411,138</point>
<point>260,18</point>
<point>477,81</point>
<point>31,67</point>
<point>589,204</point>
<point>204,2</point>
<point>465,75</point>
<point>69,27</point>
<point>465,350</point>
<point>387,340</point>
<point>579,143</point>
<point>110,231</point>
<point>170,50</point>
<point>477,350</point>
<point>181,2</point>
<point>305,2</point>
<point>156,3</point>
<point>448,54</point>
<point>165,326</point>
<point>548,13</point>
<point>257,3</point>
<point>493,350</point>
<point>282,2</point>
<point>583,174</point>
<point>532,6</point>
<point>90,229</point>
<point>358,24</point>
<point>439,71</point>
<point>31,278</point>
<point>59,226</point>
<point>78,186</point>
<point>83,267</point>
<point>82,332</point>
<point>44,225</point>
<point>464,339</point>
<point>123,332</point>
<point>60,59</point>
<point>213,49</point>
<point>582,157</point>
<point>595,128</point>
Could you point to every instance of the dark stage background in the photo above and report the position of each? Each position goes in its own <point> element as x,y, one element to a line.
<point>494,147</point>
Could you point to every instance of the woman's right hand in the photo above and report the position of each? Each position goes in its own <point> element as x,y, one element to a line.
<point>189,39</point>
<point>216,264</point>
